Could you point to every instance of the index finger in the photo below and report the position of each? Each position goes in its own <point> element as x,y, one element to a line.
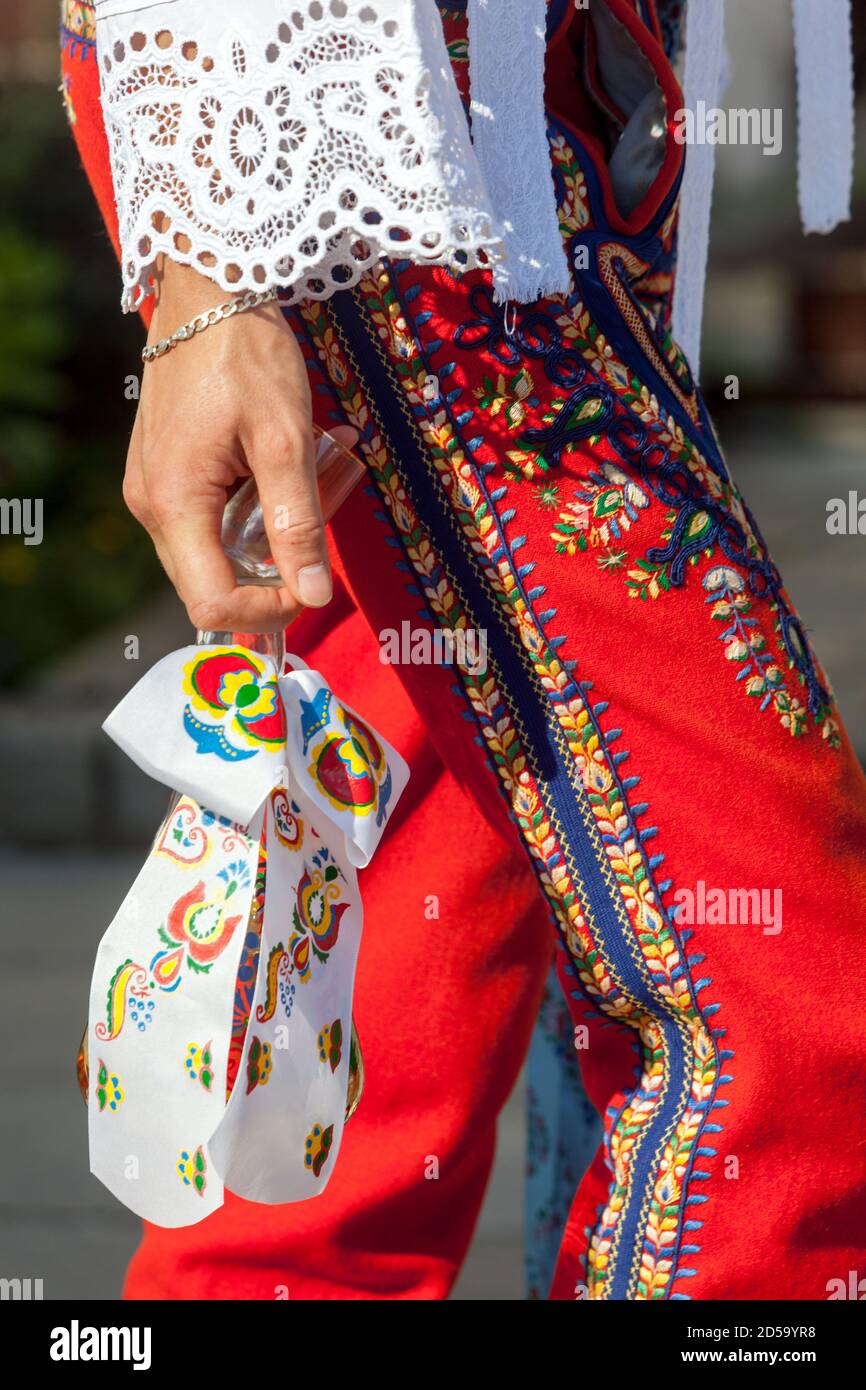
<point>285,472</point>
<point>205,580</point>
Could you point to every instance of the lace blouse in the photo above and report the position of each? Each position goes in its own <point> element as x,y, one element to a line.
<point>295,142</point>
<point>272,143</point>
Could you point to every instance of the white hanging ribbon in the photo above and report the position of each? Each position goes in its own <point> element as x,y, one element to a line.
<point>825,111</point>
<point>507,48</point>
<point>825,152</point>
<point>258,760</point>
<point>704,46</point>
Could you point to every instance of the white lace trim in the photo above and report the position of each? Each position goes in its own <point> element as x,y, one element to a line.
<point>294,145</point>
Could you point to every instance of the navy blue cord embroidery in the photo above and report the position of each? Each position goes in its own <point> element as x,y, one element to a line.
<point>537,336</point>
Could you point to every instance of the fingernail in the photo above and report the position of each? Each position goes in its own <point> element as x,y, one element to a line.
<point>314,585</point>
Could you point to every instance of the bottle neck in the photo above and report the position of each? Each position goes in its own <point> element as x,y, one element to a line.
<point>270,644</point>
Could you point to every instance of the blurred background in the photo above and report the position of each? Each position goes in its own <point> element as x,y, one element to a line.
<point>786,315</point>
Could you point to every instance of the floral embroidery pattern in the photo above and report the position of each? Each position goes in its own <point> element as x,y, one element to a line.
<point>196,932</point>
<point>331,1044</point>
<point>620,269</point>
<point>581,416</point>
<point>108,1090</point>
<point>572,195</point>
<point>317,1147</point>
<point>348,764</point>
<point>199,1064</point>
<point>600,511</point>
<point>316,918</point>
<point>259,1064</point>
<point>187,838</point>
<point>652,461</point>
<point>746,646</point>
<point>288,826</point>
<point>77,17</point>
<point>192,1170</point>
<point>505,396</point>
<point>198,920</point>
<point>235,688</point>
<point>279,986</point>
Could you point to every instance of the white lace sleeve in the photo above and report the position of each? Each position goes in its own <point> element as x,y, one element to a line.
<point>286,142</point>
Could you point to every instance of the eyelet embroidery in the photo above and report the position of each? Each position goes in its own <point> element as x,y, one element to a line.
<point>227,156</point>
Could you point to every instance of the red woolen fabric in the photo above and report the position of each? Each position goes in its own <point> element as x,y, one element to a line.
<point>444,1007</point>
<point>738,803</point>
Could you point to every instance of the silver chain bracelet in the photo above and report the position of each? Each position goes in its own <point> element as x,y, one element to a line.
<point>250,299</point>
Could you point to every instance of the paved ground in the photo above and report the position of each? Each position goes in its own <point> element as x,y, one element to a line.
<point>56,1222</point>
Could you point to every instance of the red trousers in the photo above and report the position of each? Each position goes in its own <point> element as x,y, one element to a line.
<point>651,760</point>
<point>442,926</point>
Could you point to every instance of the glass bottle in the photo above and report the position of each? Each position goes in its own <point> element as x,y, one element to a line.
<point>246,543</point>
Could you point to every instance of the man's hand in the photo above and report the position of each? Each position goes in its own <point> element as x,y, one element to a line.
<point>231,401</point>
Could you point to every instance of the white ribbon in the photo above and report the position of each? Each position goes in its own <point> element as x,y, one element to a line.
<point>704,64</point>
<point>825,112</point>
<point>276,775</point>
<point>507,50</point>
<point>825,152</point>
